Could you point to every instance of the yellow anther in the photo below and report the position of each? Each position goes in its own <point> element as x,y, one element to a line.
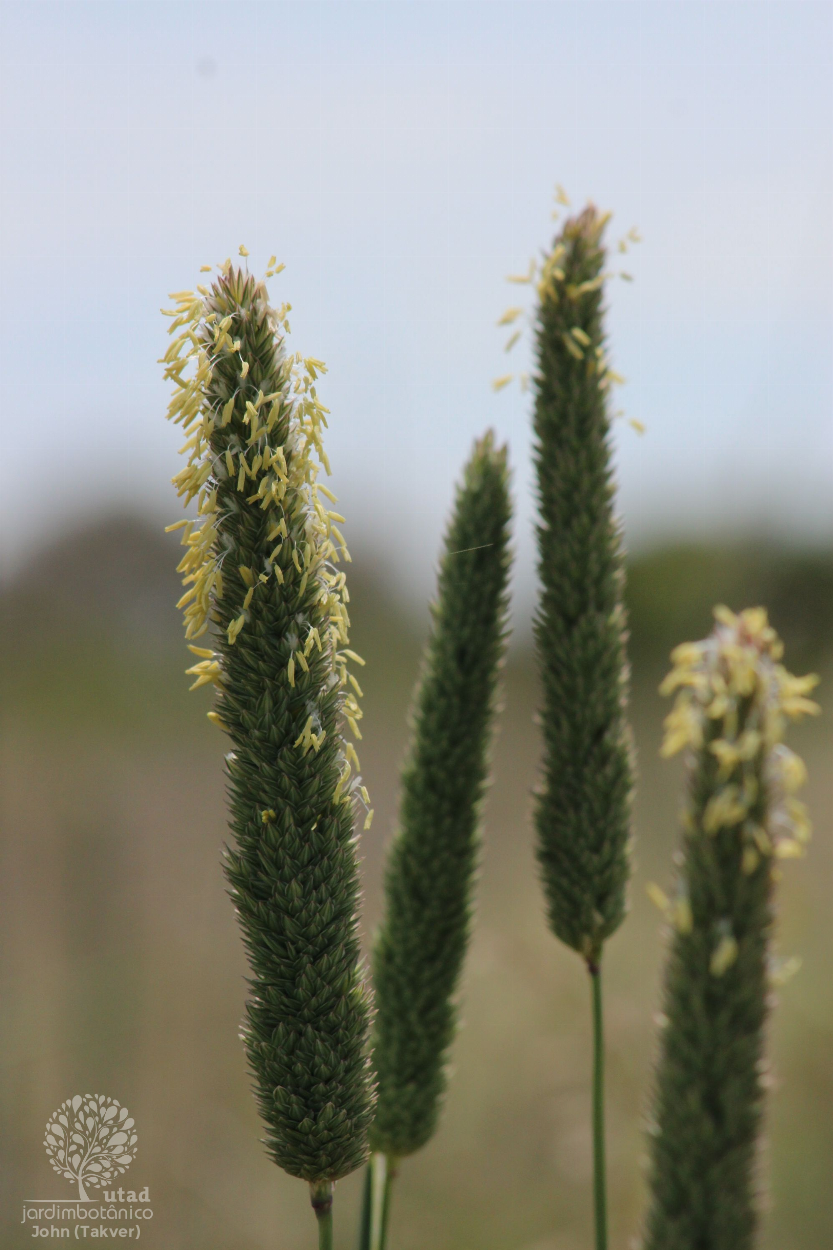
<point>723,956</point>
<point>235,628</point>
<point>509,316</point>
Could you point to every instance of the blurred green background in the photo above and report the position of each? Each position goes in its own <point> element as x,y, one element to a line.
<point>122,970</point>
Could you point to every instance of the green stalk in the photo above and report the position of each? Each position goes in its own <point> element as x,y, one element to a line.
<point>367,1199</point>
<point>321,1196</point>
<point>376,1197</point>
<point>389,1179</point>
<point>325,1229</point>
<point>599,1167</point>
<point>382,1172</point>
<point>379,1176</point>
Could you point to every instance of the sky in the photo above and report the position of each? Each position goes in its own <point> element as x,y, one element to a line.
<point>400,158</point>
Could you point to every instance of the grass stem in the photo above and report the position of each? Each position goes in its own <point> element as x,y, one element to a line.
<point>599,1164</point>
<point>367,1198</point>
<point>382,1174</point>
<point>321,1196</point>
<point>325,1229</point>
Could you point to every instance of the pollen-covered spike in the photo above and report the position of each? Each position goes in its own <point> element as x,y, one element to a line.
<point>286,711</point>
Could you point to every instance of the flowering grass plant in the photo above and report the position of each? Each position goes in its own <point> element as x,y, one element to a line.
<point>261,567</point>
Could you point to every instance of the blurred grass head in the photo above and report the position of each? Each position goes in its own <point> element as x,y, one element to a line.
<point>733,701</point>
<point>419,950</point>
<point>582,808</point>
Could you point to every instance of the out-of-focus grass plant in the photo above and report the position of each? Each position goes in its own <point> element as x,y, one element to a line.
<point>583,802</point>
<point>741,819</point>
<point>419,950</point>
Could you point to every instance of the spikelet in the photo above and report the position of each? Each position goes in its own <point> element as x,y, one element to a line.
<point>261,570</point>
<point>733,701</point>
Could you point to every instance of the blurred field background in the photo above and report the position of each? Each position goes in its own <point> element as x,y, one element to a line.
<point>122,971</point>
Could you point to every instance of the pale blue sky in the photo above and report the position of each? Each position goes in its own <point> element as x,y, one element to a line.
<point>400,158</point>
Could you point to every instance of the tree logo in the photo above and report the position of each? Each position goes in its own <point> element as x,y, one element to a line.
<point>90,1140</point>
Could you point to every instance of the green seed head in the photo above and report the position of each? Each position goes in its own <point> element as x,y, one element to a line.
<point>420,948</point>
<point>583,802</point>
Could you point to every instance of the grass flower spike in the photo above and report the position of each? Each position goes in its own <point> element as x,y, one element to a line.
<point>419,951</point>
<point>733,700</point>
<point>583,807</point>
<point>261,569</point>
<point>583,803</point>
